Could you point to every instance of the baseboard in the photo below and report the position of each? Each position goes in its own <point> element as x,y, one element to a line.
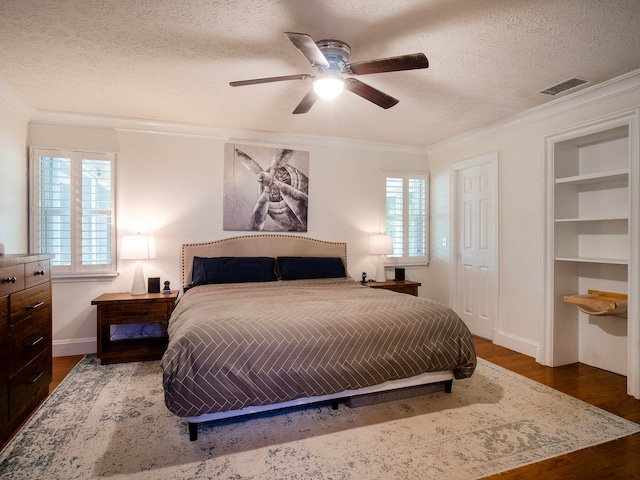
<point>77,346</point>
<point>515,343</point>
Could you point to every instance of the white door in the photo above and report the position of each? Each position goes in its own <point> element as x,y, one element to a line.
<point>476,263</point>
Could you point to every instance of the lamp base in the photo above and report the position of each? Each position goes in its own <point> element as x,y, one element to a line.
<point>138,287</point>
<point>381,275</point>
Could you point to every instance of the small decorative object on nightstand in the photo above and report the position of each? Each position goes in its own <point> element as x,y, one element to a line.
<point>126,308</point>
<point>401,286</point>
<point>167,289</point>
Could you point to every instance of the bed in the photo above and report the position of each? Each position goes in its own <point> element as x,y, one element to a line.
<point>273,321</point>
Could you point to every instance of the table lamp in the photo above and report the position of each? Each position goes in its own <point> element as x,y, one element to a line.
<point>380,245</point>
<point>138,247</point>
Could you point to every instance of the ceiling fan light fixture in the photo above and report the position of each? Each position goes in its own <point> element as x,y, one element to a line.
<point>328,87</point>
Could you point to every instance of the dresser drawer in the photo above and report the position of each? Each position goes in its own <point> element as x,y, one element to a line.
<point>29,302</point>
<point>29,339</point>
<point>4,321</point>
<point>129,312</point>
<point>36,273</point>
<point>30,384</point>
<point>11,279</point>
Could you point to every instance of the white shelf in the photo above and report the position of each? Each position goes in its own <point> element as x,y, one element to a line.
<point>612,176</point>
<point>609,261</point>
<point>598,219</point>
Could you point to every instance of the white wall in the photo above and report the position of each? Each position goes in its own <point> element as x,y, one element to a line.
<point>171,185</point>
<point>519,144</point>
<point>13,178</point>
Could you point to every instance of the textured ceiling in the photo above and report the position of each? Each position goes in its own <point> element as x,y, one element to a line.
<point>172,60</point>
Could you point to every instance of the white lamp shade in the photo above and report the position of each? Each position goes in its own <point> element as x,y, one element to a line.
<point>328,86</point>
<point>138,247</point>
<point>380,245</point>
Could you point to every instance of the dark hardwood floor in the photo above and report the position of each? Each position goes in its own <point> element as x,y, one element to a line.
<point>619,459</point>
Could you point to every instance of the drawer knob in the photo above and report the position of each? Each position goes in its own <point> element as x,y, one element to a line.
<point>10,280</point>
<point>35,305</point>
<point>40,272</point>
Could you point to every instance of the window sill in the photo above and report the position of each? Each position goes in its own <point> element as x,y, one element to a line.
<point>83,277</point>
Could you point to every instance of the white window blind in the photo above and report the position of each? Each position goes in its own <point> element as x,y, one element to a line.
<point>405,197</point>
<point>72,210</point>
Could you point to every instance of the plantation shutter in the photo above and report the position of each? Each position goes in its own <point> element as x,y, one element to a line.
<point>406,216</point>
<point>72,210</point>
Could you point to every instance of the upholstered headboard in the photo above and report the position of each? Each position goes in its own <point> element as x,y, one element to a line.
<point>260,246</point>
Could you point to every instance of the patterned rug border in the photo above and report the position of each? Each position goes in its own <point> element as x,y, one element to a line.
<point>14,446</point>
<point>566,396</point>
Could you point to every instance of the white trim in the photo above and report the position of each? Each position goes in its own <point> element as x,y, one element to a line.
<point>516,343</point>
<point>633,313</point>
<point>488,158</point>
<point>75,346</point>
<point>232,135</point>
<point>616,86</point>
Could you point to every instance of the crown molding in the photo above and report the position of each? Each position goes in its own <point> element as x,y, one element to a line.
<point>50,117</point>
<point>15,100</point>
<point>610,88</point>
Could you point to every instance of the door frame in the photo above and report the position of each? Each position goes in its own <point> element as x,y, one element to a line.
<point>454,257</point>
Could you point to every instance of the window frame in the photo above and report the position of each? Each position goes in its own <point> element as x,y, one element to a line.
<point>406,260</point>
<point>76,269</point>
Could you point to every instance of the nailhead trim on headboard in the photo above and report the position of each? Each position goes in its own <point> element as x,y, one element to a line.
<point>334,249</point>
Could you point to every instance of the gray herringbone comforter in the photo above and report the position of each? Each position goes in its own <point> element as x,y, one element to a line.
<point>238,345</point>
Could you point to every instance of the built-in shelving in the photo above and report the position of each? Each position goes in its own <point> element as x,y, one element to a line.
<point>590,244</point>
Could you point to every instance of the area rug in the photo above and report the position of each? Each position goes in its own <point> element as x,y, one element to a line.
<point>110,421</point>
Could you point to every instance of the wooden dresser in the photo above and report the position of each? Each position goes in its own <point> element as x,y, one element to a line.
<point>25,337</point>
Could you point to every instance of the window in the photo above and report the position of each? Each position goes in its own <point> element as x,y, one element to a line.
<point>72,210</point>
<point>405,216</point>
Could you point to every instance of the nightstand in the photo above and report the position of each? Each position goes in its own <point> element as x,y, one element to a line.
<point>124,308</point>
<point>400,286</point>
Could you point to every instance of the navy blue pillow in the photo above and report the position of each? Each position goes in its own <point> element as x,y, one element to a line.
<point>232,270</point>
<point>297,268</point>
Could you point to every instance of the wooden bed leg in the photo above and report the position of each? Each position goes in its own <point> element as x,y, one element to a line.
<point>193,432</point>
<point>448,385</point>
<point>334,404</point>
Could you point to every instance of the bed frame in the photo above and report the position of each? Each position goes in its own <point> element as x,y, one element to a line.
<point>291,245</point>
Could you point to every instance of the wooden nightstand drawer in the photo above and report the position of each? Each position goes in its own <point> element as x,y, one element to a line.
<point>135,313</point>
<point>29,339</point>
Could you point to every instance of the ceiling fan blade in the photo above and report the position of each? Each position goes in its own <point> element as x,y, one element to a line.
<point>308,48</point>
<point>307,102</point>
<point>255,81</point>
<point>369,93</point>
<point>392,64</point>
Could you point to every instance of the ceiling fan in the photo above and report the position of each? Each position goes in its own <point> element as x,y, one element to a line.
<point>330,58</point>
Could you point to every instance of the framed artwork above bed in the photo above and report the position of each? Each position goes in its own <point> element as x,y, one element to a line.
<point>265,189</point>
